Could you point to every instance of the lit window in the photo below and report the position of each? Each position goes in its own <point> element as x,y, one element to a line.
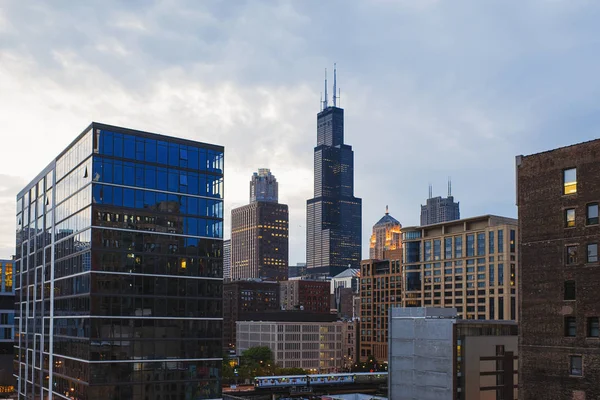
<point>593,327</point>
<point>576,366</point>
<point>592,214</point>
<point>592,252</point>
<point>570,181</point>
<point>570,218</point>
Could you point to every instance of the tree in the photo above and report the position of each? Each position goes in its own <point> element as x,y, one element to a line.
<point>257,361</point>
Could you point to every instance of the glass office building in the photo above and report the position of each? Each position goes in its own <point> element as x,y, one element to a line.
<point>118,270</point>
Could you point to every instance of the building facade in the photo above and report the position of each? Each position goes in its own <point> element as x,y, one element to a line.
<point>241,298</point>
<point>333,215</point>
<point>344,288</point>
<point>297,271</point>
<point>227,260</point>
<point>118,269</point>
<point>314,346</point>
<point>264,186</point>
<point>436,356</point>
<point>557,198</point>
<point>259,233</point>
<point>386,236</point>
<point>302,294</point>
<point>439,209</point>
<point>7,324</point>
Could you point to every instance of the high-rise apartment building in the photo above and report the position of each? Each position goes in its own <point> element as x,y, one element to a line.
<point>470,264</point>
<point>333,216</point>
<point>558,198</point>
<point>118,270</point>
<point>259,235</point>
<point>436,356</point>
<point>264,186</point>
<point>386,236</point>
<point>227,260</point>
<point>439,209</point>
<point>7,324</point>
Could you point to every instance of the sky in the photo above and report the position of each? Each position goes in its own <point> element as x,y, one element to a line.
<point>430,88</point>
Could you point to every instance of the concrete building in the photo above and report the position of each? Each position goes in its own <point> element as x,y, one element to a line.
<point>439,209</point>
<point>436,356</point>
<point>386,236</point>
<point>304,294</point>
<point>227,260</point>
<point>7,324</point>
<point>259,233</point>
<point>243,298</point>
<point>318,346</point>
<point>558,196</point>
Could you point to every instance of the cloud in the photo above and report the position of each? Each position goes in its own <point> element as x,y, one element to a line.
<point>431,89</point>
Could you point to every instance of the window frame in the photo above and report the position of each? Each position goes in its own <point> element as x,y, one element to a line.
<point>571,358</point>
<point>591,320</point>
<point>593,259</point>
<point>569,223</point>
<point>568,186</point>
<point>567,255</point>
<point>567,326</point>
<point>567,287</point>
<point>594,220</point>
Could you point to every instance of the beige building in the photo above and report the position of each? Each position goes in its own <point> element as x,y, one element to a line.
<point>314,346</point>
<point>386,236</point>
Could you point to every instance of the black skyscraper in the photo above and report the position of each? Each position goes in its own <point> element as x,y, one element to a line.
<point>334,214</point>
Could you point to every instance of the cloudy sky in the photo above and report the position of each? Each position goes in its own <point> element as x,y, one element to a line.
<point>430,89</point>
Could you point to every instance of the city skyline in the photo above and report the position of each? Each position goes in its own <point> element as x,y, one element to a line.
<point>478,91</point>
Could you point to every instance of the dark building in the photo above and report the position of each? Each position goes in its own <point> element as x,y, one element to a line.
<point>7,323</point>
<point>333,216</point>
<point>307,295</point>
<point>118,270</point>
<point>259,233</point>
<point>242,298</point>
<point>558,197</point>
<point>439,209</point>
<point>298,270</point>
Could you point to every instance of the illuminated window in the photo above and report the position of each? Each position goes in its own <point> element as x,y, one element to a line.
<point>570,181</point>
<point>570,217</point>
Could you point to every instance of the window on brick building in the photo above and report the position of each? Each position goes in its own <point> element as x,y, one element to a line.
<point>592,214</point>
<point>570,181</point>
<point>571,255</point>
<point>575,365</point>
<point>593,327</point>
<point>570,327</point>
<point>570,290</point>
<point>569,217</point>
<point>592,252</point>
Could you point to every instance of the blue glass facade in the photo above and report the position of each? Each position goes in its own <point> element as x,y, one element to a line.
<point>334,215</point>
<point>118,272</point>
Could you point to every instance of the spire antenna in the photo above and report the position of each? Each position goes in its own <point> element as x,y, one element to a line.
<point>386,210</point>
<point>430,190</point>
<point>321,102</point>
<point>325,105</point>
<point>449,186</point>
<point>334,84</point>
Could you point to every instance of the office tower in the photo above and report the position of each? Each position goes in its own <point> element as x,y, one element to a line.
<point>259,233</point>
<point>118,270</point>
<point>7,323</point>
<point>439,209</point>
<point>243,298</point>
<point>227,260</point>
<point>333,216</point>
<point>297,270</point>
<point>306,295</point>
<point>264,186</point>
<point>470,264</point>
<point>436,356</point>
<point>557,198</point>
<point>386,236</point>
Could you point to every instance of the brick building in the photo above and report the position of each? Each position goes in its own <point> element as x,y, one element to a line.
<point>307,295</point>
<point>557,195</point>
<point>243,298</point>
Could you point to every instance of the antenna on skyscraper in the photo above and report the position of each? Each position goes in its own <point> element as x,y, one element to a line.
<point>334,85</point>
<point>449,186</point>
<point>321,101</point>
<point>430,190</point>
<point>325,101</point>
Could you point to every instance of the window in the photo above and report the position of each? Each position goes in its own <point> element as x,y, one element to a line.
<point>481,244</point>
<point>569,218</point>
<point>592,252</point>
<point>570,290</point>
<point>470,245</point>
<point>592,214</point>
<point>593,327</point>
<point>570,327</point>
<point>576,366</point>
<point>491,244</point>
<point>570,181</point>
<point>571,255</point>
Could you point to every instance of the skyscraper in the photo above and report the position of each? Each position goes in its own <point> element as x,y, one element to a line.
<point>440,209</point>
<point>118,270</point>
<point>7,324</point>
<point>558,200</point>
<point>264,186</point>
<point>386,236</point>
<point>259,233</point>
<point>333,226</point>
<point>227,259</point>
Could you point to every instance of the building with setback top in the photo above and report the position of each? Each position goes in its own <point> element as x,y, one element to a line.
<point>386,236</point>
<point>557,196</point>
<point>440,209</point>
<point>118,270</point>
<point>333,216</point>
